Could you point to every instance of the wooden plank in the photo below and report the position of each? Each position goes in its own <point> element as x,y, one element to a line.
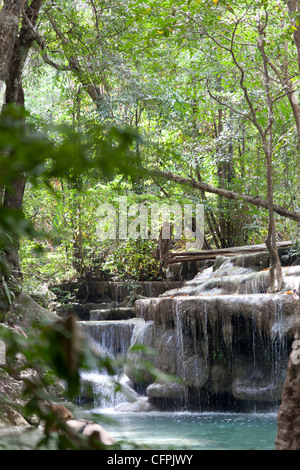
<point>182,259</point>
<point>235,249</point>
<point>184,256</point>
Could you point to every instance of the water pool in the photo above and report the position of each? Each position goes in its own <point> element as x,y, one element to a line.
<point>194,431</point>
<point>171,431</point>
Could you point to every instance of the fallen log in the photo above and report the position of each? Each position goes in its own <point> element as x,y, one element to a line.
<point>183,256</point>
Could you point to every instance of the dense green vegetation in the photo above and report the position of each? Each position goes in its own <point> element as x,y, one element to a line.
<point>190,78</point>
<point>177,102</point>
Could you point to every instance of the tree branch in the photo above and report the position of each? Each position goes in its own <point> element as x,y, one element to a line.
<point>95,92</point>
<point>256,201</point>
<point>41,43</point>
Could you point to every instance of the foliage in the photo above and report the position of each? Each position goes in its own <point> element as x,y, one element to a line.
<point>57,351</point>
<point>52,354</point>
<point>291,256</point>
<point>134,259</point>
<point>166,69</point>
<point>27,149</point>
<point>112,89</point>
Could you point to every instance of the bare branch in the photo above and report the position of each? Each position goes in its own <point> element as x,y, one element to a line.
<point>256,201</point>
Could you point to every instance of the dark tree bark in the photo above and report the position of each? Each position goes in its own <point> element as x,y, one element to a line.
<point>22,45</point>
<point>163,248</point>
<point>13,199</point>
<point>288,421</point>
<point>9,27</point>
<point>13,195</point>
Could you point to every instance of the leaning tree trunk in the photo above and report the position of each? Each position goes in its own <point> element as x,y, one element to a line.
<point>228,194</point>
<point>288,421</point>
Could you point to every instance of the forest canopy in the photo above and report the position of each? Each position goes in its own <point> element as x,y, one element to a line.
<point>110,108</point>
<point>179,102</point>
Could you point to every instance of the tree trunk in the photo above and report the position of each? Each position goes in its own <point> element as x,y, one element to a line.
<point>9,26</point>
<point>267,142</point>
<point>163,249</point>
<point>211,220</point>
<point>275,264</point>
<point>13,199</point>
<point>288,421</point>
<point>13,195</point>
<point>22,45</point>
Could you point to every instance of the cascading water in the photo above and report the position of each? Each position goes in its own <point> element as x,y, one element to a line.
<point>232,337</point>
<point>225,339</point>
<point>112,339</point>
<point>114,336</point>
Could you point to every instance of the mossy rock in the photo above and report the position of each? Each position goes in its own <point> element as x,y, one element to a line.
<point>258,261</point>
<point>218,262</point>
<point>26,312</point>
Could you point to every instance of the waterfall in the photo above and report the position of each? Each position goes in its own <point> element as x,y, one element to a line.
<point>179,342</point>
<point>117,295</point>
<point>228,337</point>
<point>112,339</point>
<point>279,343</point>
<point>223,337</point>
<point>114,336</point>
